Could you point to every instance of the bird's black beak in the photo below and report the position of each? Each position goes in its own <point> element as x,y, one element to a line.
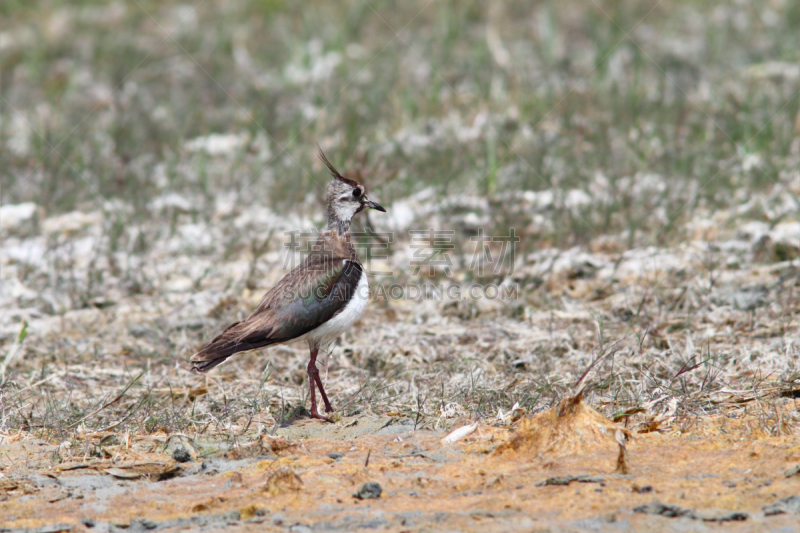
<point>374,205</point>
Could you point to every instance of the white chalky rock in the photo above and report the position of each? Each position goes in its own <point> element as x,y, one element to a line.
<point>71,223</point>
<point>17,218</point>
<point>787,233</point>
<point>218,144</point>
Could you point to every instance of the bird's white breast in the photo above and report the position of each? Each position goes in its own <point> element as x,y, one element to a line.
<point>340,323</point>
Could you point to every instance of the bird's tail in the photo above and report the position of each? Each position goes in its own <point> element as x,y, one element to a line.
<point>226,344</point>
<point>203,362</point>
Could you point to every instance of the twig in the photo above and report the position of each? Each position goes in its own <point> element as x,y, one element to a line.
<point>29,387</point>
<point>115,400</point>
<point>15,350</point>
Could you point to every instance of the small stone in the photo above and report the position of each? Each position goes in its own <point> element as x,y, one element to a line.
<point>235,479</point>
<point>790,504</point>
<point>232,516</point>
<point>730,516</point>
<point>53,528</point>
<point>368,490</point>
<point>335,455</point>
<point>566,480</point>
<point>248,512</point>
<point>283,480</point>
<point>208,467</point>
<point>665,509</point>
<point>181,455</point>
<point>146,524</point>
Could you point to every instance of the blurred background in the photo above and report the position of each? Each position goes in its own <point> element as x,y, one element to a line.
<point>642,112</point>
<point>153,155</point>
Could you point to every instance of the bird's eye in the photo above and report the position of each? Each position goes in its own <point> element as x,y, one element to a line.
<point>356,193</point>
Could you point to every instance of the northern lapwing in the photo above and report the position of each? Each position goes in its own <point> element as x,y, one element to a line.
<point>315,302</point>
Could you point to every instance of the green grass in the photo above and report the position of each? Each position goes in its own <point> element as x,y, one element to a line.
<point>617,88</point>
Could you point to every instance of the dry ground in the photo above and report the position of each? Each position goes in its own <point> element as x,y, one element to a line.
<point>722,472</point>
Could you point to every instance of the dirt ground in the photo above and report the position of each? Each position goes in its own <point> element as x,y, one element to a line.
<point>713,473</point>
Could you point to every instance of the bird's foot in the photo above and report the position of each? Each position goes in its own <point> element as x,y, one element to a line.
<point>315,414</point>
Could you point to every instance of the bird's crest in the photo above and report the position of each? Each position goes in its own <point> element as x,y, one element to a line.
<point>333,171</point>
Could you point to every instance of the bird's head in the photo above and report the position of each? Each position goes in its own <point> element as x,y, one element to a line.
<point>344,199</point>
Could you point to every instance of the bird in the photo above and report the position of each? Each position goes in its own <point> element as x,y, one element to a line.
<point>316,302</point>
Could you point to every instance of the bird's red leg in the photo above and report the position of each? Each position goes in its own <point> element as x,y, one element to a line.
<point>313,378</point>
<point>328,408</point>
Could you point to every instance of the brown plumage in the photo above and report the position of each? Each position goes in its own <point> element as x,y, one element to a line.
<point>316,301</point>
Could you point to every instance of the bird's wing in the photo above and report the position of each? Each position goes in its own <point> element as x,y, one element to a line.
<point>306,298</point>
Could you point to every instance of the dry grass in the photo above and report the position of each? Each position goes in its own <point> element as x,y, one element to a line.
<point>645,152</point>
